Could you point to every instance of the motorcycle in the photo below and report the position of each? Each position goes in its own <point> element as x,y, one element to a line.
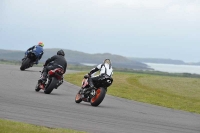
<point>96,95</point>
<point>54,80</point>
<point>28,61</point>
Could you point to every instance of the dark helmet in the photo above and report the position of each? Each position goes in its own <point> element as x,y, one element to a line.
<point>61,52</point>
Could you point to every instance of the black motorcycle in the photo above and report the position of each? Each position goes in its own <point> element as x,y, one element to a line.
<point>28,61</point>
<point>96,95</point>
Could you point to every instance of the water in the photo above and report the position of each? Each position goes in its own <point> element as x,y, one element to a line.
<point>88,64</point>
<point>175,68</point>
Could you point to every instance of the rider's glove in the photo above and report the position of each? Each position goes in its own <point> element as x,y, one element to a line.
<point>86,76</point>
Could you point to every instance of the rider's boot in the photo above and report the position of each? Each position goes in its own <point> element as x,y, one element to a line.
<point>24,58</point>
<point>36,62</point>
<point>43,78</point>
<point>90,82</point>
<point>31,64</point>
<point>88,90</point>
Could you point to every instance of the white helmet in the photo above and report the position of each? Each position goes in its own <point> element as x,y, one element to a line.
<point>107,61</point>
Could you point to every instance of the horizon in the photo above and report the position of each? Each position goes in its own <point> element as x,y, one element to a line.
<point>108,53</point>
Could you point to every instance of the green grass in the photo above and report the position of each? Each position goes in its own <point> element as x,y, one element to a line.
<point>7,126</point>
<point>17,63</point>
<point>181,93</point>
<point>10,62</point>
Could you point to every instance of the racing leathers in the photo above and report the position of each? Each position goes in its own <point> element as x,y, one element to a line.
<point>38,50</point>
<point>104,69</point>
<point>56,61</point>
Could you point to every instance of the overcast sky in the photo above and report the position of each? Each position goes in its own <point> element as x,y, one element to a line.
<point>132,28</point>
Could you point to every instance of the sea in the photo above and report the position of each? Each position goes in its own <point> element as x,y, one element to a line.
<point>175,68</point>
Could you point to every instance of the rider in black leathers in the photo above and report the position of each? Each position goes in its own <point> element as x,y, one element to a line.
<point>54,62</point>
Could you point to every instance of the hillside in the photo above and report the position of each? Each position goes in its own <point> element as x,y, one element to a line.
<point>76,57</point>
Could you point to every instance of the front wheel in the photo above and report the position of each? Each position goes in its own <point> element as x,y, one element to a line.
<point>99,96</point>
<point>37,87</point>
<point>51,86</point>
<point>78,98</point>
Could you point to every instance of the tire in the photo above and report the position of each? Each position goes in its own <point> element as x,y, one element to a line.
<point>78,98</point>
<point>37,88</point>
<point>25,64</point>
<point>99,96</point>
<point>51,86</point>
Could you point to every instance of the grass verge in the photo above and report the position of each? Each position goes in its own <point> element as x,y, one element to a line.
<point>7,126</point>
<point>181,93</point>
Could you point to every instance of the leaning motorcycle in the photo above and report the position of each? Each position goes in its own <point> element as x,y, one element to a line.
<point>28,61</point>
<point>96,95</point>
<point>54,80</point>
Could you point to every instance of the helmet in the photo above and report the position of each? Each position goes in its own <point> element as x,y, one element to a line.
<point>41,44</point>
<point>107,61</point>
<point>61,52</point>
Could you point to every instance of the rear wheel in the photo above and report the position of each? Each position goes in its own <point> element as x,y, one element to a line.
<point>51,86</point>
<point>25,64</point>
<point>78,98</point>
<point>99,96</point>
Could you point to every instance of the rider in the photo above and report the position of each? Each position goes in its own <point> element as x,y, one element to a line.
<point>54,62</point>
<point>104,68</point>
<point>38,50</point>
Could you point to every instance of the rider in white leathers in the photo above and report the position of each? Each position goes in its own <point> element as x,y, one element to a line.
<point>105,69</point>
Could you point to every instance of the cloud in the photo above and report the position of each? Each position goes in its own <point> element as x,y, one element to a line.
<point>148,4</point>
<point>190,8</point>
<point>172,6</point>
<point>170,23</point>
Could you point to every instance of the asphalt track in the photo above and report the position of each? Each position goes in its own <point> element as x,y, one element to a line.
<point>20,102</point>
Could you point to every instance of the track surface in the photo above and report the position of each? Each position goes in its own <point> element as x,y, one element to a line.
<point>20,102</point>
